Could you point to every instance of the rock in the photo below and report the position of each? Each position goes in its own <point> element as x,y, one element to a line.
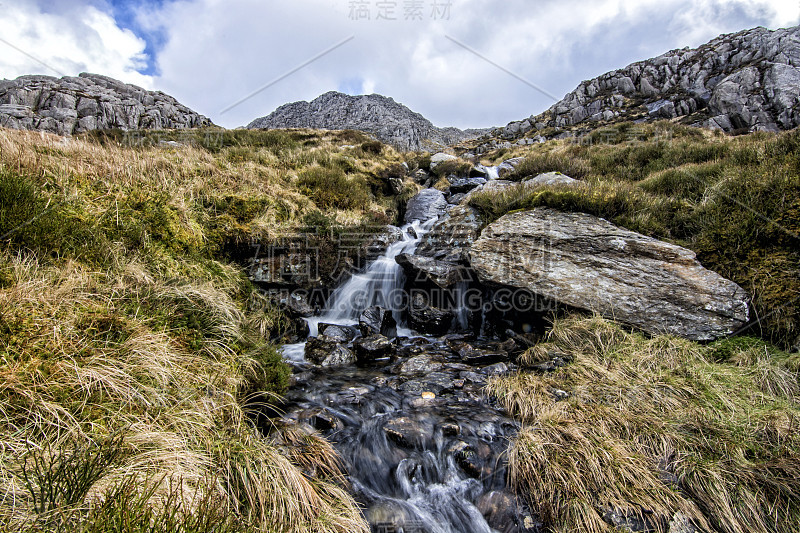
<point>508,166</point>
<point>426,205</point>
<point>420,364</point>
<point>466,458</point>
<point>464,185</point>
<point>747,81</point>
<point>450,238</point>
<point>497,369</point>
<point>550,178</point>
<point>378,242</point>
<point>407,432</point>
<point>376,320</point>
<point>441,157</point>
<point>588,263</point>
<point>322,419</point>
<point>420,269</point>
<point>370,348</point>
<point>426,318</point>
<point>376,115</point>
<point>420,176</point>
<point>479,171</point>
<point>296,305</point>
<point>472,356</point>
<point>71,105</point>
<point>336,332</point>
<point>454,199</point>
<point>327,352</point>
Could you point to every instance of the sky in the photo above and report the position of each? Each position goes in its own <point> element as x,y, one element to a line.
<point>463,63</point>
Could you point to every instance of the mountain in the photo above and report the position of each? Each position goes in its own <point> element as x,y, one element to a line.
<point>88,102</point>
<point>740,82</point>
<point>380,116</point>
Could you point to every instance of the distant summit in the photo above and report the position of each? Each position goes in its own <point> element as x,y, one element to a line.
<point>740,82</point>
<point>89,102</point>
<point>380,116</point>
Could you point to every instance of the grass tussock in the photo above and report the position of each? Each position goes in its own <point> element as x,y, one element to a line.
<point>652,428</point>
<point>735,201</point>
<point>135,355</point>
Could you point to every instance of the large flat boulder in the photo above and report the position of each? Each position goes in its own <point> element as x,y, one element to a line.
<point>586,262</point>
<point>428,204</point>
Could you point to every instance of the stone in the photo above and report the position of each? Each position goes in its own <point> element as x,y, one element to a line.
<point>451,236</point>
<point>421,269</point>
<point>71,105</point>
<point>420,364</point>
<point>428,204</point>
<point>441,157</point>
<point>376,320</point>
<point>420,176</point>
<point>379,116</point>
<point>588,263</point>
<point>550,178</point>
<point>464,185</point>
<point>296,305</point>
<point>428,319</point>
<point>370,348</point>
<point>744,81</point>
<point>336,332</point>
<point>407,432</point>
<point>327,352</point>
<point>508,166</point>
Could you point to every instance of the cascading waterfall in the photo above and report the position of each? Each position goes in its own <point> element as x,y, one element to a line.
<point>422,446</point>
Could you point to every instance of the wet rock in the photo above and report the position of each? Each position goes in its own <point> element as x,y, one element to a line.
<point>450,429</point>
<point>497,369</point>
<point>435,382</point>
<point>377,321</point>
<point>473,377</point>
<point>421,269</point>
<point>371,348</point>
<point>473,356</point>
<point>456,198</point>
<point>336,332</point>
<point>328,352</point>
<point>586,262</point>
<point>426,318</point>
<point>321,419</point>
<point>464,185</point>
<point>407,432</point>
<point>466,458</point>
<point>420,364</point>
<point>426,205</point>
<point>450,238</point>
<point>377,243</point>
<point>296,305</point>
<point>504,514</point>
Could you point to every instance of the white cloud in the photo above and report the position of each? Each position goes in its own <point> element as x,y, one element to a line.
<point>67,40</point>
<point>216,52</point>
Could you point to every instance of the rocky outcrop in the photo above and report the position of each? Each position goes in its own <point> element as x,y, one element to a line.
<point>380,116</point>
<point>89,102</point>
<point>451,237</point>
<point>428,204</point>
<point>745,81</point>
<point>588,263</point>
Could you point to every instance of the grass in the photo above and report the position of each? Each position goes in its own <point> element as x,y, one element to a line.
<point>656,427</point>
<point>135,353</point>
<point>735,201</point>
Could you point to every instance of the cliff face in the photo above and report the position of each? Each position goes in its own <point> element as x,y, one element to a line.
<point>380,116</point>
<point>745,81</point>
<point>89,102</point>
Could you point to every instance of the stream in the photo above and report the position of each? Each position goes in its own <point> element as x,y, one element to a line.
<point>423,448</point>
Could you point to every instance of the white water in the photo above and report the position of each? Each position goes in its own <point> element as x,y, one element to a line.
<point>491,173</point>
<point>380,284</point>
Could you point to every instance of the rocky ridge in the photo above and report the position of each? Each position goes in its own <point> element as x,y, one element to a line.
<point>740,82</point>
<point>380,116</point>
<point>89,102</point>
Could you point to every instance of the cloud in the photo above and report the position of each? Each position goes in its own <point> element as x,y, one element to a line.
<point>211,54</point>
<point>65,39</point>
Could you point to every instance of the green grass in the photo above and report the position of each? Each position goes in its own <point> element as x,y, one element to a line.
<point>133,348</point>
<point>734,201</point>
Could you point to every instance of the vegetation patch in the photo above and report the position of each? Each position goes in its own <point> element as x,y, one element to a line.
<point>656,430</point>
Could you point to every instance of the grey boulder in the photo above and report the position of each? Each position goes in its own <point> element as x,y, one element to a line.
<point>588,263</point>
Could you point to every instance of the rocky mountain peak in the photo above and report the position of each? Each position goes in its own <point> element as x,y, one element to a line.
<point>88,102</point>
<point>380,116</point>
<point>739,82</point>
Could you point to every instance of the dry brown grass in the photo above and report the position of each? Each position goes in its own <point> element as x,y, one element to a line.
<point>652,427</point>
